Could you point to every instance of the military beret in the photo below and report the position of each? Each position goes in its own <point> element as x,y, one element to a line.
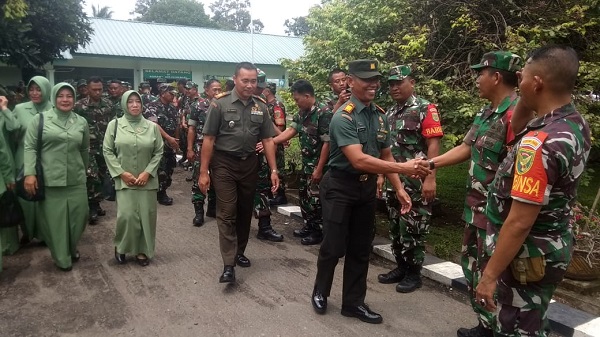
<point>502,60</point>
<point>364,68</point>
<point>261,79</point>
<point>190,85</point>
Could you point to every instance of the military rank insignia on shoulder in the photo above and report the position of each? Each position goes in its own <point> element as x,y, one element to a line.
<point>380,109</point>
<point>260,99</point>
<point>349,108</point>
<point>223,94</point>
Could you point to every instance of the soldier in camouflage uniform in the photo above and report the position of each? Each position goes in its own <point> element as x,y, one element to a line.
<point>339,89</point>
<point>145,92</point>
<point>81,89</point>
<point>416,132</point>
<point>163,113</point>
<point>312,125</point>
<point>529,203</point>
<point>115,91</point>
<point>277,112</point>
<point>486,146</point>
<point>262,211</point>
<point>212,88</point>
<point>97,111</point>
<point>196,122</point>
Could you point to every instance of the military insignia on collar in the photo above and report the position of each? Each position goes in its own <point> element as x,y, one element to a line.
<point>349,108</point>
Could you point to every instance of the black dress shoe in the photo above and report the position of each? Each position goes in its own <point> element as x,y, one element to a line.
<point>75,257</point>
<point>93,219</point>
<point>100,211</point>
<point>362,312</point>
<point>302,232</point>
<point>270,235</point>
<point>142,260</point>
<point>393,276</point>
<point>228,275</point>
<point>478,331</point>
<point>164,199</point>
<point>242,261</point>
<point>313,239</point>
<point>69,268</point>
<point>319,302</point>
<point>120,257</point>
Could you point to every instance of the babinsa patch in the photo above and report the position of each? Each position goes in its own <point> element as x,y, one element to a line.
<point>525,159</point>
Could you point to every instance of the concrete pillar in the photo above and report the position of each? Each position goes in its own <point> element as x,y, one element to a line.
<point>50,75</point>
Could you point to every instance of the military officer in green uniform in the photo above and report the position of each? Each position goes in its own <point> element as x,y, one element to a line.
<point>359,150</point>
<point>416,131</point>
<point>278,115</point>
<point>163,113</point>
<point>236,121</point>
<point>340,93</point>
<point>115,91</point>
<point>485,145</point>
<point>97,111</point>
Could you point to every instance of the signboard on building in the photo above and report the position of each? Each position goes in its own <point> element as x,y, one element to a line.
<point>161,73</point>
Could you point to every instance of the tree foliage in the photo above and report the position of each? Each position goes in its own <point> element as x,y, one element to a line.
<point>142,6</point>
<point>177,12</point>
<point>14,9</point>
<point>234,15</point>
<point>441,39</point>
<point>47,28</point>
<point>296,26</point>
<point>102,12</point>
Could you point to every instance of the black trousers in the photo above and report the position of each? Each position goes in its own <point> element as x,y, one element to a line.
<point>348,207</point>
<point>235,184</point>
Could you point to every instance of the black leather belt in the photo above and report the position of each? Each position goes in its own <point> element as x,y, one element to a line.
<point>235,155</point>
<point>338,174</point>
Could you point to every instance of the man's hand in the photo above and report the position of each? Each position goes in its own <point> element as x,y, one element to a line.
<point>274,181</point>
<point>317,175</point>
<point>204,182</point>
<point>173,143</point>
<point>428,191</point>
<point>380,181</point>
<point>414,169</point>
<point>190,155</point>
<point>404,199</point>
<point>128,178</point>
<point>259,147</point>
<point>484,294</point>
<point>3,103</point>
<point>343,97</point>
<point>142,179</point>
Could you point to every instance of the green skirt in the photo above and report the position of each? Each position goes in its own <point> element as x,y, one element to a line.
<point>136,222</point>
<point>31,228</point>
<point>65,214</point>
<point>10,240</point>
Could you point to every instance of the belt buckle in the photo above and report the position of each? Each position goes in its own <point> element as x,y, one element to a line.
<point>363,177</point>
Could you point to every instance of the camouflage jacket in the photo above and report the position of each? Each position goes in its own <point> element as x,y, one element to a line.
<point>164,115</point>
<point>197,117</point>
<point>332,101</point>
<point>547,164</point>
<point>410,126</point>
<point>147,99</point>
<point>97,114</point>
<point>116,103</point>
<point>277,113</point>
<point>313,130</point>
<point>488,139</point>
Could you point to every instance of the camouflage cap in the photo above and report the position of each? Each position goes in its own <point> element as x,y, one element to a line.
<point>261,79</point>
<point>190,85</point>
<point>81,83</point>
<point>144,85</point>
<point>165,87</point>
<point>364,68</point>
<point>273,87</point>
<point>399,73</point>
<point>502,60</point>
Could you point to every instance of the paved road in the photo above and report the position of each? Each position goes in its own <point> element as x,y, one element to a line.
<point>179,293</point>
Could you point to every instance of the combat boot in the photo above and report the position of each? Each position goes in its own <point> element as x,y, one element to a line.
<point>163,198</point>
<point>478,331</point>
<point>199,218</point>
<point>303,232</point>
<point>395,275</point>
<point>93,215</point>
<point>280,199</point>
<point>266,231</point>
<point>211,208</point>
<point>412,280</point>
<point>315,237</point>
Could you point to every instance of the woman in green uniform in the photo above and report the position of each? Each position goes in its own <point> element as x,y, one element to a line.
<point>38,91</point>
<point>7,181</point>
<point>133,148</point>
<point>65,156</point>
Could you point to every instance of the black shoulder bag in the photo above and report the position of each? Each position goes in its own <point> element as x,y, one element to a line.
<point>39,172</point>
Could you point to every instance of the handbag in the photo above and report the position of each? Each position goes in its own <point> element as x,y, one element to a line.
<point>11,213</point>
<point>39,172</point>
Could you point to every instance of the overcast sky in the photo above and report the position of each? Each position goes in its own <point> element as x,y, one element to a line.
<point>272,13</point>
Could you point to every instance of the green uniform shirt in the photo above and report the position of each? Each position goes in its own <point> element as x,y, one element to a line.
<point>238,126</point>
<point>355,123</point>
<point>7,174</point>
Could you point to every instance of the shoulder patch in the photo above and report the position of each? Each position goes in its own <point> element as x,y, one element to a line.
<point>347,117</point>
<point>380,109</point>
<point>223,94</point>
<point>260,99</point>
<point>349,108</point>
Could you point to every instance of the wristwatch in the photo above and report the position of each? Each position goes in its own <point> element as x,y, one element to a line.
<point>274,171</point>
<point>431,164</point>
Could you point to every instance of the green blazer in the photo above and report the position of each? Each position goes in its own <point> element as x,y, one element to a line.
<point>133,150</point>
<point>6,167</point>
<point>65,149</point>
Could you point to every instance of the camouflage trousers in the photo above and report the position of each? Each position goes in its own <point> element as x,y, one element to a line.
<point>473,260</point>
<point>522,309</point>
<point>96,175</point>
<point>408,231</point>
<point>263,189</point>
<point>280,160</point>
<point>310,203</point>
<point>197,196</point>
<point>167,165</point>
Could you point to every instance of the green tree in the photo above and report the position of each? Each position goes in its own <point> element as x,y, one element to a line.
<point>234,15</point>
<point>176,12</point>
<point>102,12</point>
<point>142,6</point>
<point>297,26</point>
<point>14,9</point>
<point>47,28</point>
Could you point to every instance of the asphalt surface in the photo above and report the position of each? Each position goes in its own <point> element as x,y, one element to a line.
<point>178,294</point>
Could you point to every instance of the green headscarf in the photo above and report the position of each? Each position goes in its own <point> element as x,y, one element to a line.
<point>62,116</point>
<point>45,87</point>
<point>133,120</point>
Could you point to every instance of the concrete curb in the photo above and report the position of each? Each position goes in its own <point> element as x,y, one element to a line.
<point>563,319</point>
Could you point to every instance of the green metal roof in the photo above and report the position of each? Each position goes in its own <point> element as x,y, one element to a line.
<point>171,42</point>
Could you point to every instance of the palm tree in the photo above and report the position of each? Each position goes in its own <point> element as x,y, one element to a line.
<point>101,12</point>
